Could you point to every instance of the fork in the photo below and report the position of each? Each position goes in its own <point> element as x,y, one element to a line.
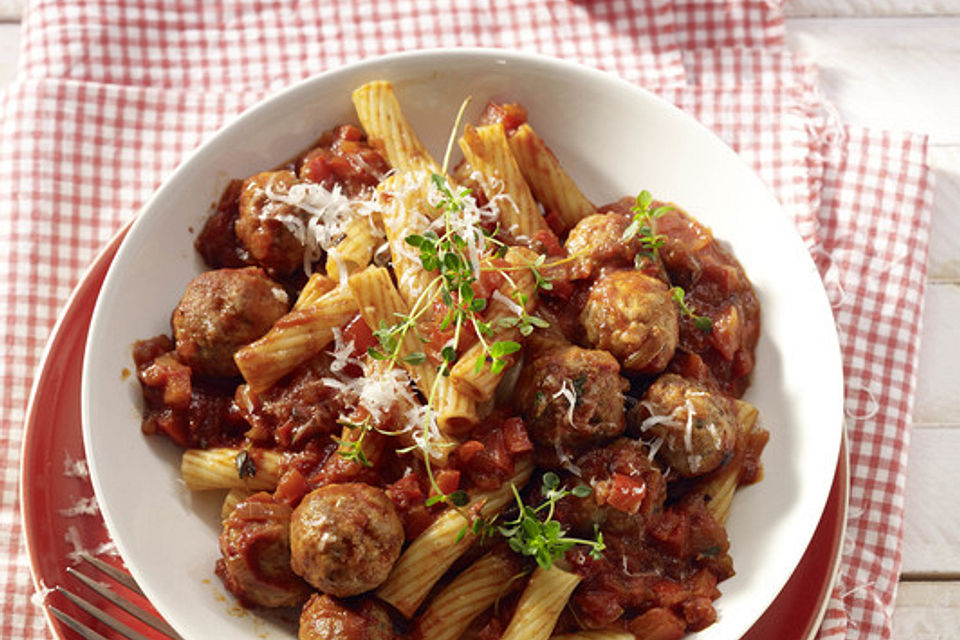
<point>103,590</point>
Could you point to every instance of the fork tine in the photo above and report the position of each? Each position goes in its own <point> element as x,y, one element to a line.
<point>75,624</point>
<point>127,606</point>
<point>103,616</point>
<point>118,575</point>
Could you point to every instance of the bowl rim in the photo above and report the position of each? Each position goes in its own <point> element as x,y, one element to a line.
<point>451,56</point>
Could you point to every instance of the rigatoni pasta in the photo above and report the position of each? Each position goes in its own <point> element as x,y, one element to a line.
<point>549,182</point>
<point>488,152</point>
<point>467,418</point>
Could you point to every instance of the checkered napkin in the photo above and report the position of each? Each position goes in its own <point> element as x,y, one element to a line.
<point>112,94</point>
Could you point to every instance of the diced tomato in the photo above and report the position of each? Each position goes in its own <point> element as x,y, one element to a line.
<point>348,132</point>
<point>488,282</point>
<point>555,222</point>
<point>448,480</point>
<point>174,376</point>
<point>515,436</point>
<point>405,491</point>
<point>626,494</point>
<point>291,488</point>
<point>316,168</point>
<point>512,115</point>
<point>600,606</point>
<point>670,593</point>
<point>549,241</point>
<point>699,613</point>
<point>673,531</point>
<point>469,449</point>
<point>171,423</point>
<point>360,334</point>
<point>341,167</point>
<point>703,583</point>
<point>657,624</point>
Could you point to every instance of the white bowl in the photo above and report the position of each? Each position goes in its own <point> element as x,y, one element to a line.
<point>615,139</point>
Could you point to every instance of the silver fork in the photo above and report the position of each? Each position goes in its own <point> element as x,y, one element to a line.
<point>105,592</point>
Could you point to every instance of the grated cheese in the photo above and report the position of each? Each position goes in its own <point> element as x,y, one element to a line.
<point>73,538</point>
<point>327,211</point>
<point>341,352</point>
<point>81,507</point>
<point>567,392</point>
<point>39,597</point>
<point>75,468</point>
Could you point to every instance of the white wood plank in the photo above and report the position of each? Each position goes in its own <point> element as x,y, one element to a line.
<point>937,399</point>
<point>9,50</point>
<point>927,611</point>
<point>888,73</point>
<point>852,8</point>
<point>11,10</point>
<point>945,230</point>
<point>931,537</point>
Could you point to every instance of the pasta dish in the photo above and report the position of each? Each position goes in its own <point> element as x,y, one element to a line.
<point>460,402</point>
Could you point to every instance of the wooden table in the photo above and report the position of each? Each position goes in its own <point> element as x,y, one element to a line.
<point>891,64</point>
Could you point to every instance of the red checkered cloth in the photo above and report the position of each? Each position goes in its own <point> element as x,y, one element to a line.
<point>112,94</point>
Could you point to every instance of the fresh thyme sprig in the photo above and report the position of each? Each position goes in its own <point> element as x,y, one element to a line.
<point>541,537</point>
<point>703,323</point>
<point>352,450</point>
<point>643,226</point>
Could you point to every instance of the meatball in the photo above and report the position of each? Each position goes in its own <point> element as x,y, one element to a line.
<point>326,618</point>
<point>627,489</point>
<point>222,311</point>
<point>597,241</point>
<point>571,398</point>
<point>261,224</point>
<point>632,316</point>
<point>255,550</point>
<point>345,538</point>
<point>696,424</point>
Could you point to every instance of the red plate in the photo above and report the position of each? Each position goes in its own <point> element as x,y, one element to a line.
<point>52,437</point>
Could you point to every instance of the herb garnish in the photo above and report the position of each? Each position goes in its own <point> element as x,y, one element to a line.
<point>246,467</point>
<point>543,538</point>
<point>352,450</point>
<point>643,226</point>
<point>703,323</point>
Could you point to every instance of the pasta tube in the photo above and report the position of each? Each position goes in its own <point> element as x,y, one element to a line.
<point>430,555</point>
<point>480,385</point>
<point>355,251</point>
<point>203,469</point>
<point>474,590</point>
<point>548,181</point>
<point>383,120</point>
<point>405,212</point>
<point>541,604</point>
<point>316,286</point>
<point>487,150</point>
<point>294,339</point>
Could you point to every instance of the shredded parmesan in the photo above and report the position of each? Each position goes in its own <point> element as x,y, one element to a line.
<point>567,392</point>
<point>510,304</point>
<point>39,597</point>
<point>341,352</point>
<point>74,539</point>
<point>565,460</point>
<point>81,507</point>
<point>75,468</point>
<point>327,213</point>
